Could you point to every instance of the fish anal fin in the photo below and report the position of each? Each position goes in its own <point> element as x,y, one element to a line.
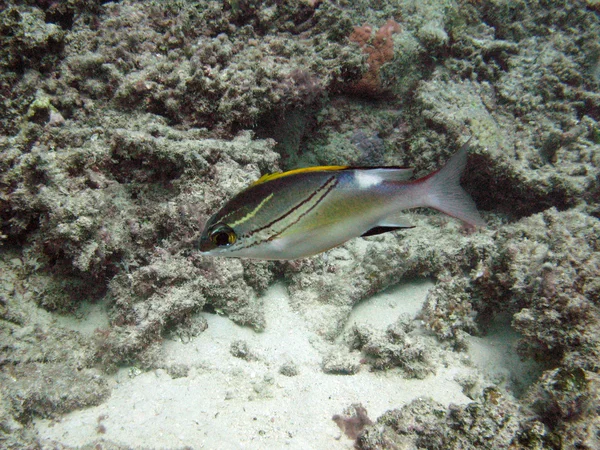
<point>391,223</point>
<point>396,221</point>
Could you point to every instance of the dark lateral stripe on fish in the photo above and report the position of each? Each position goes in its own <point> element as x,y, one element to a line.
<point>329,189</point>
<point>292,210</point>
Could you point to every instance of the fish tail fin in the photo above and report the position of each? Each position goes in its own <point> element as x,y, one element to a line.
<point>442,190</point>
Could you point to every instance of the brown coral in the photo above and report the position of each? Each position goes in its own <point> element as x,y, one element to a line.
<point>380,49</point>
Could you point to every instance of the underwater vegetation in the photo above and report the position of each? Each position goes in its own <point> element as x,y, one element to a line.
<point>125,125</point>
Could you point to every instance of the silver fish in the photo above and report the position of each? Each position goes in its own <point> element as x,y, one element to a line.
<point>308,211</point>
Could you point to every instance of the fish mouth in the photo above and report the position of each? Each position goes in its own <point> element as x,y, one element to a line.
<point>205,245</point>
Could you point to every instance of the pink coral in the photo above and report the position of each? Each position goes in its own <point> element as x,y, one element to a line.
<point>380,49</point>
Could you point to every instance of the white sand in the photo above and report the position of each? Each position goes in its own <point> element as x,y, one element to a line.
<point>230,403</point>
<point>496,357</point>
<point>384,308</point>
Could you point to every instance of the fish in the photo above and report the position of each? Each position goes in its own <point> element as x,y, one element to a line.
<point>304,212</point>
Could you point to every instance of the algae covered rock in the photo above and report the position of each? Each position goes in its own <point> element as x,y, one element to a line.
<point>213,64</point>
<point>546,274</point>
<point>424,423</point>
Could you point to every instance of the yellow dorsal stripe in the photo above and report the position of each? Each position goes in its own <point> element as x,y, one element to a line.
<point>274,176</point>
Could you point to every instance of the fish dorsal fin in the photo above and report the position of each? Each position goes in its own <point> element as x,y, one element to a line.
<point>274,176</point>
<point>392,173</point>
<point>389,173</point>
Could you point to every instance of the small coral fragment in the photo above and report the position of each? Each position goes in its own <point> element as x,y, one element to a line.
<point>354,420</point>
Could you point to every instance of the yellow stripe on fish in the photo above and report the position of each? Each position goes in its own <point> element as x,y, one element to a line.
<point>274,176</point>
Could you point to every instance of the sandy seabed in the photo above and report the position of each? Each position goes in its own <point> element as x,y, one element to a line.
<point>229,402</point>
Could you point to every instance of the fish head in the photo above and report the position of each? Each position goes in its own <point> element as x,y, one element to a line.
<point>230,240</point>
<point>218,238</point>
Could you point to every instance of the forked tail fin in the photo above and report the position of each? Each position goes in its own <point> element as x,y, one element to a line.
<point>444,193</point>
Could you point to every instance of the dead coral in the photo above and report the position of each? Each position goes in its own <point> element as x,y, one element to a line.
<point>169,291</point>
<point>490,424</point>
<point>28,43</point>
<point>116,200</point>
<point>565,401</point>
<point>96,202</point>
<point>241,349</point>
<point>289,369</point>
<point>546,272</point>
<point>341,362</point>
<point>45,370</point>
<point>564,395</point>
<point>47,390</point>
<point>214,66</point>
<point>448,311</point>
<point>394,348</point>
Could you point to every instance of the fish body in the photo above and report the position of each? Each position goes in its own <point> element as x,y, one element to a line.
<point>307,211</point>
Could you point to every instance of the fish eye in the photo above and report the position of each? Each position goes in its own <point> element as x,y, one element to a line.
<point>223,236</point>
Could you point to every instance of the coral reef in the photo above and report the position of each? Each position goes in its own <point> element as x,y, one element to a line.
<point>126,124</point>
